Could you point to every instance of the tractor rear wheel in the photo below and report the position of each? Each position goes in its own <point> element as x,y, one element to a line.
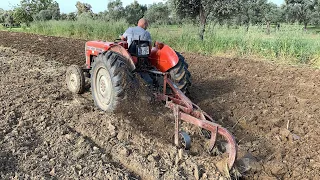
<point>75,79</point>
<point>181,75</point>
<point>110,79</point>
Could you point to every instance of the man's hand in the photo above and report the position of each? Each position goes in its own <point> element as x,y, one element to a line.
<point>123,38</point>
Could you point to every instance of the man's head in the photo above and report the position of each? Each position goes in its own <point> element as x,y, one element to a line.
<point>143,23</point>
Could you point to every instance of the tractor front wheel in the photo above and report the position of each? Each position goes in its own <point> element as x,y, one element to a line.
<point>110,79</point>
<point>75,79</point>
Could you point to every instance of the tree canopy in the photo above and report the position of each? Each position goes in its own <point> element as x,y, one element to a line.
<point>158,13</point>
<point>230,12</point>
<point>302,11</point>
<point>115,10</point>
<point>202,9</point>
<point>134,12</point>
<point>83,8</point>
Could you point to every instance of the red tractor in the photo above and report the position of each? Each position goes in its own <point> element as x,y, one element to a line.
<point>112,67</point>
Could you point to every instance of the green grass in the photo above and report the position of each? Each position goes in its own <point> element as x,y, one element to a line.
<point>314,29</point>
<point>85,29</point>
<point>290,45</point>
<point>14,29</point>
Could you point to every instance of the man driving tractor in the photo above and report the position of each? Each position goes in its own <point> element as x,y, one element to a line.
<point>137,33</point>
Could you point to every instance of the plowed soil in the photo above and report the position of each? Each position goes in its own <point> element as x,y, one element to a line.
<point>48,132</point>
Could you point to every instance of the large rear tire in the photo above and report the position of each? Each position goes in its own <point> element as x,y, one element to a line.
<point>180,74</point>
<point>110,79</point>
<point>75,79</point>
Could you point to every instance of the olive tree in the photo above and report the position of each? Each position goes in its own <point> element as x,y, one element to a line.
<point>158,13</point>
<point>301,10</point>
<point>134,12</point>
<point>83,8</point>
<point>115,10</point>
<point>203,8</point>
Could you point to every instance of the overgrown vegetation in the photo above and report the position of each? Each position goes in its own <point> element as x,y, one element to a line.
<point>241,28</point>
<point>84,29</point>
<point>290,44</point>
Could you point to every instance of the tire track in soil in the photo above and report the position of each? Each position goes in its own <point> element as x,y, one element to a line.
<point>273,110</point>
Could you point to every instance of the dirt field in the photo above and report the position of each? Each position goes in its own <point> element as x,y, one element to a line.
<point>45,131</point>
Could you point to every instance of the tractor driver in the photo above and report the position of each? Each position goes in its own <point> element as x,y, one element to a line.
<point>134,33</point>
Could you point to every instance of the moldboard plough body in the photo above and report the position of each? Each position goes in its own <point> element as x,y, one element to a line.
<point>187,111</point>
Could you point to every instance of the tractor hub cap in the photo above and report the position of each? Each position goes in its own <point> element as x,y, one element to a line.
<point>103,85</point>
<point>73,81</point>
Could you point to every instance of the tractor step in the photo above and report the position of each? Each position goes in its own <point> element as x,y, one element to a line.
<point>146,77</point>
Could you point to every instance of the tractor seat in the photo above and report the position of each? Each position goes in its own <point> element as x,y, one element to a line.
<point>139,48</point>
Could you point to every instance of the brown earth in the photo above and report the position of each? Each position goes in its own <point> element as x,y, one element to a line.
<point>45,131</point>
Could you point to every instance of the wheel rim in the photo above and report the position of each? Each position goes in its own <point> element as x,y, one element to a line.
<point>103,85</point>
<point>73,81</point>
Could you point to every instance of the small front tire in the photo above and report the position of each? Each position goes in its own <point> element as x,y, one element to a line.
<point>75,79</point>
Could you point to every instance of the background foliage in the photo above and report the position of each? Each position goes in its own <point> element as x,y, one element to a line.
<point>248,28</point>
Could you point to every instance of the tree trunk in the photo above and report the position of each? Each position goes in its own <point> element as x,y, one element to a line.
<point>203,21</point>
<point>248,20</point>
<point>305,26</point>
<point>268,27</point>
<point>202,30</point>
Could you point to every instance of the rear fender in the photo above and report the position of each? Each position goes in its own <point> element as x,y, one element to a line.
<point>163,59</point>
<point>127,57</point>
<point>94,48</point>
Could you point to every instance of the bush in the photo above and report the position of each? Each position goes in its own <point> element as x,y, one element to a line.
<point>43,15</point>
<point>85,16</point>
<point>24,26</point>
